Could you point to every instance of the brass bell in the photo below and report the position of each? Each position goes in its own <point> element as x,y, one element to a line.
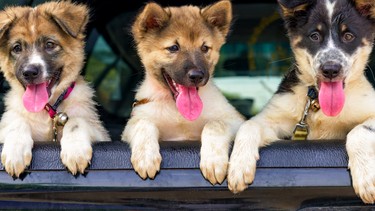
<point>315,105</point>
<point>61,118</point>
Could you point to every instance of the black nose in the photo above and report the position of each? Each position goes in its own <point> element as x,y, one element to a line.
<point>331,70</point>
<point>31,72</point>
<point>196,76</point>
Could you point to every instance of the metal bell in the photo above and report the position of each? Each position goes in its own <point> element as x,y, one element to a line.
<point>61,118</point>
<point>315,105</point>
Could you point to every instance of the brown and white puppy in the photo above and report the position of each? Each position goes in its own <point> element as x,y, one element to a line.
<point>331,41</point>
<point>177,100</point>
<point>41,55</point>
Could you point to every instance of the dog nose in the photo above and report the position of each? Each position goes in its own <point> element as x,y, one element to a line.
<point>196,76</point>
<point>331,70</point>
<point>31,72</point>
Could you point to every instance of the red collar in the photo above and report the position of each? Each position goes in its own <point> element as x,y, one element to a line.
<point>52,110</point>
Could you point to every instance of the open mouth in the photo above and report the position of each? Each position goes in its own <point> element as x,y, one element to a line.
<point>36,96</point>
<point>173,86</point>
<point>188,102</point>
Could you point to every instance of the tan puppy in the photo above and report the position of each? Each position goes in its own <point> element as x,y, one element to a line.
<point>179,48</point>
<point>332,41</point>
<point>41,56</point>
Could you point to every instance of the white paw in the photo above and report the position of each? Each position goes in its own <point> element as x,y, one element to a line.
<point>146,161</point>
<point>214,165</point>
<point>363,179</point>
<point>16,156</point>
<point>241,171</point>
<point>76,155</point>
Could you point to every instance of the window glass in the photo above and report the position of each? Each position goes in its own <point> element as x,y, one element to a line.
<point>251,65</point>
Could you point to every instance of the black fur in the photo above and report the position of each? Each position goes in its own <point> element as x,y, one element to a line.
<point>304,23</point>
<point>289,81</point>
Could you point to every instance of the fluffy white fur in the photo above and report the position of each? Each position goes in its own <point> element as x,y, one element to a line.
<point>160,120</point>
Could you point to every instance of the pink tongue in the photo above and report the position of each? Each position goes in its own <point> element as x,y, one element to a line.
<point>188,102</point>
<point>35,97</point>
<point>331,97</point>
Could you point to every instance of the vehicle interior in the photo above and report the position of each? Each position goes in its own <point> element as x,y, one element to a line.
<point>291,175</point>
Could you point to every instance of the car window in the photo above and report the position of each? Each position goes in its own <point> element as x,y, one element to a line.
<point>251,64</point>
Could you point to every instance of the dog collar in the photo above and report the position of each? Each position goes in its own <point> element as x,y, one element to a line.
<point>59,118</point>
<point>301,130</point>
<point>52,110</point>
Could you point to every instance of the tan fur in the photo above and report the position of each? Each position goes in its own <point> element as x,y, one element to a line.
<point>279,117</point>
<point>159,120</point>
<point>20,128</point>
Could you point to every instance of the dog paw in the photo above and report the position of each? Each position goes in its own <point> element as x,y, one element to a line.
<point>16,157</point>
<point>363,179</point>
<point>241,171</point>
<point>146,162</point>
<point>76,156</point>
<point>214,166</point>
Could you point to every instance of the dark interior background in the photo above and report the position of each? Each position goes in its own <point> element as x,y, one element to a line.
<point>255,57</point>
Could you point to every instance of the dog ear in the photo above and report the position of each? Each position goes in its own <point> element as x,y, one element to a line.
<point>219,15</point>
<point>152,17</point>
<point>291,8</point>
<point>366,8</point>
<point>295,12</point>
<point>5,22</point>
<point>70,17</point>
<point>8,16</point>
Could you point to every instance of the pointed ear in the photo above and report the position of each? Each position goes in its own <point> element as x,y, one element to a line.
<point>152,18</point>
<point>219,15</point>
<point>295,12</point>
<point>291,8</point>
<point>70,17</point>
<point>365,7</point>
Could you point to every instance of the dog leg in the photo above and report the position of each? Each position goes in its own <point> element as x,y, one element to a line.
<point>143,137</point>
<point>361,150</point>
<point>18,143</point>
<point>76,149</point>
<point>245,154</point>
<point>216,138</point>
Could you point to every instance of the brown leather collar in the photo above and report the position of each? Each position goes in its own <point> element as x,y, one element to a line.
<point>140,102</point>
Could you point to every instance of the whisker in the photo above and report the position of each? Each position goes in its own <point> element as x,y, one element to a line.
<point>281,60</point>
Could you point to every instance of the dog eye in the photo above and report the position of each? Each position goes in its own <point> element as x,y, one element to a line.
<point>50,45</point>
<point>348,37</point>
<point>17,48</point>
<point>315,36</point>
<point>173,48</point>
<point>205,48</point>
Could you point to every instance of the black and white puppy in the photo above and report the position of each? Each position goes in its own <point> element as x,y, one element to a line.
<point>331,41</point>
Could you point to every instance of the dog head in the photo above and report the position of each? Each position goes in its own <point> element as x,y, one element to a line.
<point>41,48</point>
<point>331,40</point>
<point>179,46</point>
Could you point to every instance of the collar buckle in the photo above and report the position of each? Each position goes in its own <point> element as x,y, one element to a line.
<point>301,130</point>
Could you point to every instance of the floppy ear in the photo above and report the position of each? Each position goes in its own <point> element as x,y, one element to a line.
<point>5,22</point>
<point>219,15</point>
<point>152,18</point>
<point>295,12</point>
<point>366,8</point>
<point>71,18</point>
<point>8,16</point>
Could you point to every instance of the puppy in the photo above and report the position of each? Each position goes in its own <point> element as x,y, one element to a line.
<point>324,96</point>
<point>41,56</point>
<point>177,100</point>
